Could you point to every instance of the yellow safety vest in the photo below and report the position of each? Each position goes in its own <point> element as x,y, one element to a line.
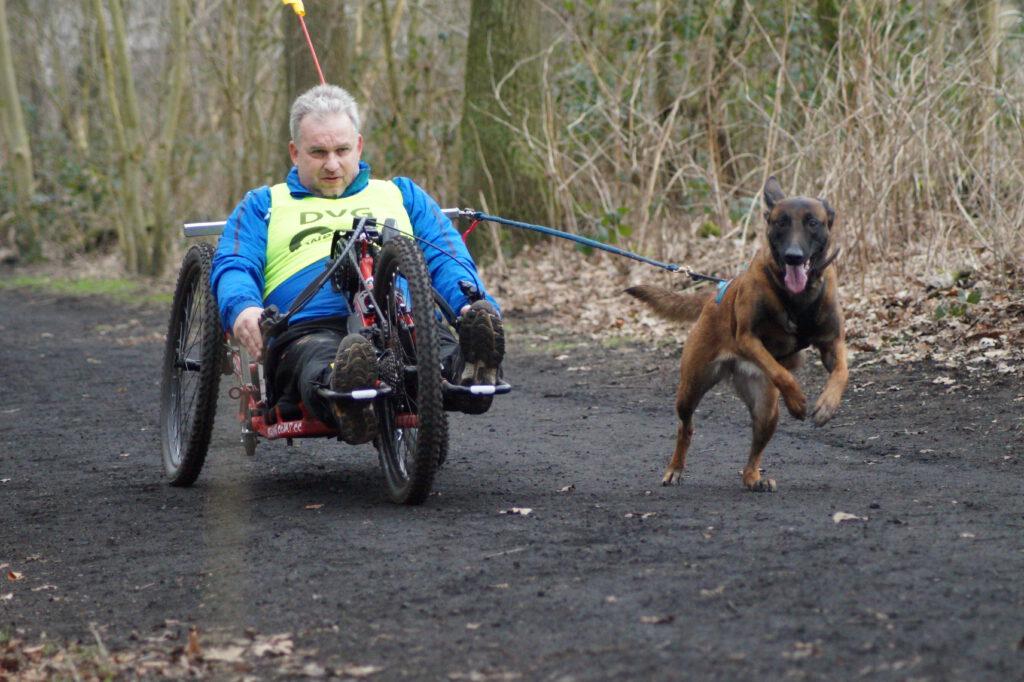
<point>300,230</point>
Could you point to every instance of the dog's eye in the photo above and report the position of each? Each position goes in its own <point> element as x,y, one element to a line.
<point>812,222</point>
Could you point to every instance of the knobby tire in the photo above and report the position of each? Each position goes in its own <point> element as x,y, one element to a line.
<point>193,357</point>
<point>409,479</point>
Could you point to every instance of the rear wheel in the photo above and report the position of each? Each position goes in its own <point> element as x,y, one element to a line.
<point>413,424</point>
<point>193,356</point>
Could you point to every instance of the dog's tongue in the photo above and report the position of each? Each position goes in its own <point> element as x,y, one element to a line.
<point>796,277</point>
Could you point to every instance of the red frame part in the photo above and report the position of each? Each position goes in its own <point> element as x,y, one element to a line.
<point>250,400</point>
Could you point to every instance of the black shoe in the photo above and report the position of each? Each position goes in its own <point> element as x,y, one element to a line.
<point>482,342</point>
<point>355,367</point>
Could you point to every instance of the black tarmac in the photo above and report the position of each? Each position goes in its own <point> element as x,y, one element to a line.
<point>609,575</point>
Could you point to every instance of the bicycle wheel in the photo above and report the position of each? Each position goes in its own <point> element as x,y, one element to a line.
<point>193,356</point>
<point>413,424</point>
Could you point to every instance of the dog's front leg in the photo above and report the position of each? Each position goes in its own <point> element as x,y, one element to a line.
<point>833,356</point>
<point>750,347</point>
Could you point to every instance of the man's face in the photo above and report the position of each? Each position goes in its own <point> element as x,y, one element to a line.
<point>327,153</point>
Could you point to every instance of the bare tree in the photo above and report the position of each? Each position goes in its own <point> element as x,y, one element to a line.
<point>18,150</point>
<point>144,161</point>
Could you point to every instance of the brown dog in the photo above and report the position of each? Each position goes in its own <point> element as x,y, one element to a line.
<point>785,302</point>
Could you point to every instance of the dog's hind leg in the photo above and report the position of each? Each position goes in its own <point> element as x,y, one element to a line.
<point>674,472</point>
<point>762,399</point>
<point>697,376</point>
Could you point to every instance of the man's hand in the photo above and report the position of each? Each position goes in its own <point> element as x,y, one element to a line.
<point>247,331</point>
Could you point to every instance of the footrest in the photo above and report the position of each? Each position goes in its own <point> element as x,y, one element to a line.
<point>478,389</point>
<point>358,395</point>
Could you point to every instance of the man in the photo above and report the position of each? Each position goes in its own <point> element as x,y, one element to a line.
<point>278,239</point>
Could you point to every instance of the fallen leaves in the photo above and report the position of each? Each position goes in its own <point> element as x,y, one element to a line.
<point>517,511</point>
<point>657,620</point>
<point>273,645</point>
<point>313,506</point>
<point>713,592</point>
<point>802,650</point>
<point>192,649</point>
<point>486,676</point>
<point>14,576</point>
<point>843,517</point>
<point>228,654</point>
<point>266,656</point>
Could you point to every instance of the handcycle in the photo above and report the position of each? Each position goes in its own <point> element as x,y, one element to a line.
<point>384,277</point>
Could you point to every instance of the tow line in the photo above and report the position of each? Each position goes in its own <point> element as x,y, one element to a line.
<point>478,216</point>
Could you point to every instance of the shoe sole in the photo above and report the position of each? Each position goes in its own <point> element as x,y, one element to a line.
<point>483,348</point>
<point>357,422</point>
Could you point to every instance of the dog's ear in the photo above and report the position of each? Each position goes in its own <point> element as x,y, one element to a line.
<point>831,212</point>
<point>772,193</point>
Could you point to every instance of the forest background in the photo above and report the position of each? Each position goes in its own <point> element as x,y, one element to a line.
<point>650,124</point>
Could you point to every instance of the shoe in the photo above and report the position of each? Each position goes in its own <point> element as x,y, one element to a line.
<point>355,367</point>
<point>482,342</point>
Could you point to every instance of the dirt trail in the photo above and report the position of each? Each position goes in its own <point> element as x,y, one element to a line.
<point>611,576</point>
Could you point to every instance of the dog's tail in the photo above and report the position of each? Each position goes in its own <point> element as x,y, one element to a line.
<point>669,304</point>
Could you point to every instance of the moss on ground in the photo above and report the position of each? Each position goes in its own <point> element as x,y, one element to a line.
<point>121,290</point>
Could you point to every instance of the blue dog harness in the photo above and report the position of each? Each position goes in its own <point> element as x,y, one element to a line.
<point>722,287</point>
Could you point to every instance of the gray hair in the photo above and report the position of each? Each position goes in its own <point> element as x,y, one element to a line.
<point>319,101</point>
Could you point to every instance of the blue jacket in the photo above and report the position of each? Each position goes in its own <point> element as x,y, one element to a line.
<point>238,264</point>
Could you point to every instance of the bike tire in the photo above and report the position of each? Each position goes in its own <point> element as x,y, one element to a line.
<point>409,455</point>
<point>193,357</point>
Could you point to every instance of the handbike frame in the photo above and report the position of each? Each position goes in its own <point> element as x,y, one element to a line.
<point>250,383</point>
<point>248,373</point>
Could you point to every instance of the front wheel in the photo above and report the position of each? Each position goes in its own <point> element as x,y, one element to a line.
<point>193,355</point>
<point>413,424</point>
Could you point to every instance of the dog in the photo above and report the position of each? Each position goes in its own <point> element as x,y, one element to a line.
<point>753,330</point>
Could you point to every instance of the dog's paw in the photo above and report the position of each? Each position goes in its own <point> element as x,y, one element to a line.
<point>824,410</point>
<point>672,476</point>
<point>764,485</point>
<point>796,403</point>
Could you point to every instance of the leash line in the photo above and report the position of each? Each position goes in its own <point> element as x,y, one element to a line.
<point>478,216</point>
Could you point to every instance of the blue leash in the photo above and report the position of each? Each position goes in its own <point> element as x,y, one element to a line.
<point>671,267</point>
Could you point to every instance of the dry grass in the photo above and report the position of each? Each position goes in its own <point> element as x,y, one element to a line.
<point>911,124</point>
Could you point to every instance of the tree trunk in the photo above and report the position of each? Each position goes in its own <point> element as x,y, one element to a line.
<point>719,72</point>
<point>144,221</point>
<point>125,129</point>
<point>501,106</point>
<point>18,150</point>
<point>163,165</point>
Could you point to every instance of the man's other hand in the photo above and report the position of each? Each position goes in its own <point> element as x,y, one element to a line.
<point>247,331</point>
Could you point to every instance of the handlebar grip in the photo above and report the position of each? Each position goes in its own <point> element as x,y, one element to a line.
<point>269,320</point>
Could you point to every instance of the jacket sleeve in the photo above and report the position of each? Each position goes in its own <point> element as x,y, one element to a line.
<point>448,259</point>
<point>241,257</point>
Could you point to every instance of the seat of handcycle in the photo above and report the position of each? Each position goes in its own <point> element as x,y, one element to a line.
<point>279,413</point>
